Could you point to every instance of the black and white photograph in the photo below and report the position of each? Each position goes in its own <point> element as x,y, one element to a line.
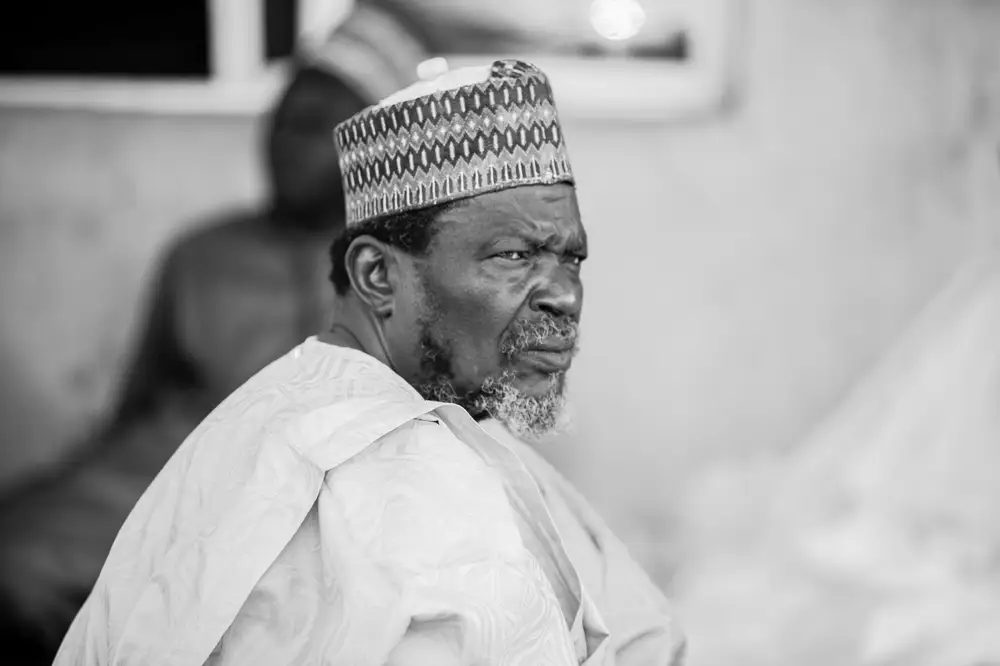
<point>500,332</point>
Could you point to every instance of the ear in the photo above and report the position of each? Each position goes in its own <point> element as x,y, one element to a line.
<point>374,272</point>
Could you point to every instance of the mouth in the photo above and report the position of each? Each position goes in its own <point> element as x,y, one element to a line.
<point>549,359</point>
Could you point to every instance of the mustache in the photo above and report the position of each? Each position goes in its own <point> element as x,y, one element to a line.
<point>547,330</point>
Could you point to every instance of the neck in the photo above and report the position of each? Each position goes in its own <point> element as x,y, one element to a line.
<point>354,328</point>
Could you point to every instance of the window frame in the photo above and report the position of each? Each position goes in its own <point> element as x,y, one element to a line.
<point>242,82</point>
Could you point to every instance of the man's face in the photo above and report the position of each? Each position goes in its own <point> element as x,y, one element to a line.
<point>302,156</point>
<point>498,305</point>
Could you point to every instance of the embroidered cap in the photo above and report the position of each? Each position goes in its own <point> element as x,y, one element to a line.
<point>462,134</point>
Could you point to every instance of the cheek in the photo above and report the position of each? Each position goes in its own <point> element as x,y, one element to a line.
<point>476,324</point>
<point>410,311</point>
<point>476,309</point>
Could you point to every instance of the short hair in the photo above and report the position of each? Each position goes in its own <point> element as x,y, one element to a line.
<point>410,231</point>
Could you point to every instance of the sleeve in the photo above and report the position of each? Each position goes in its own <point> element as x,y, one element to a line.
<point>430,643</point>
<point>641,620</point>
<point>428,555</point>
<point>640,617</point>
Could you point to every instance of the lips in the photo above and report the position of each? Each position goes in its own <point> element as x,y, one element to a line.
<point>549,358</point>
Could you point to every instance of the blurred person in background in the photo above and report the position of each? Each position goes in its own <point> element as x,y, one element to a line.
<point>231,296</point>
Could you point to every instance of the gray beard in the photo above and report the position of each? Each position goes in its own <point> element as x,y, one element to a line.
<point>528,417</point>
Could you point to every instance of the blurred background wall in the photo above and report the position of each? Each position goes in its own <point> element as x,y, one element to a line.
<point>746,269</point>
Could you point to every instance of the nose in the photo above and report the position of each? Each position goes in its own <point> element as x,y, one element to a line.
<point>560,294</point>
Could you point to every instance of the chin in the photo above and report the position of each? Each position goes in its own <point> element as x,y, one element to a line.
<point>540,384</point>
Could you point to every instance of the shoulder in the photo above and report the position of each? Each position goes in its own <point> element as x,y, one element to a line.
<point>423,452</point>
<point>422,494</point>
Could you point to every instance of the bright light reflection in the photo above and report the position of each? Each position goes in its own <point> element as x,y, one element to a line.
<point>617,20</point>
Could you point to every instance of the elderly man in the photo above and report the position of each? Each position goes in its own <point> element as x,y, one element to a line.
<point>343,506</point>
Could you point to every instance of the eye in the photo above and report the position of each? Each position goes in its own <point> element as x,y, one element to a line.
<point>514,255</point>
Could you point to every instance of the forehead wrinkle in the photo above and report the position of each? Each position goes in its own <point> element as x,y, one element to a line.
<point>517,212</point>
<point>541,223</point>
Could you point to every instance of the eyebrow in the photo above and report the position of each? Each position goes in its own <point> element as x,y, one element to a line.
<point>575,243</point>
